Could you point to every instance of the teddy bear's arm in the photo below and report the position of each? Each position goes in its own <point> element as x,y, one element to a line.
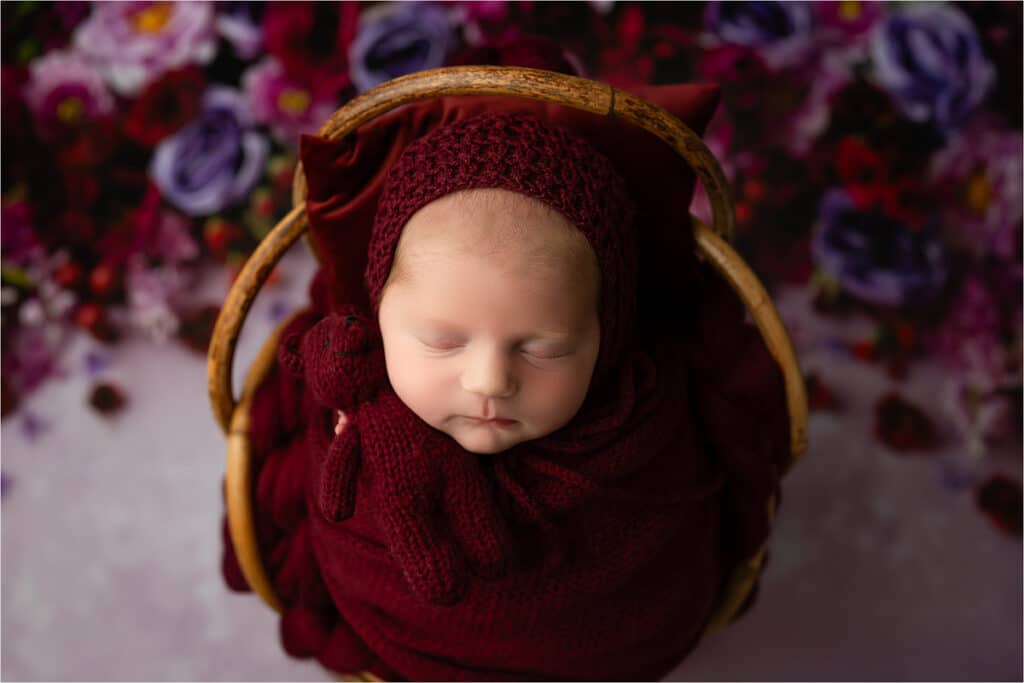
<point>473,513</point>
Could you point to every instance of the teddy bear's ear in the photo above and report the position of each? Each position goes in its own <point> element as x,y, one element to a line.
<point>289,354</point>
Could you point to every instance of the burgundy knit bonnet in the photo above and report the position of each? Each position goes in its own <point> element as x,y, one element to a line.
<point>518,152</point>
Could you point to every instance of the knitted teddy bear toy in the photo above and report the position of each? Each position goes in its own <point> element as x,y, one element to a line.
<point>410,466</point>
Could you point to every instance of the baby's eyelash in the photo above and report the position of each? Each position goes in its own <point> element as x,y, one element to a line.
<point>545,355</point>
<point>443,345</point>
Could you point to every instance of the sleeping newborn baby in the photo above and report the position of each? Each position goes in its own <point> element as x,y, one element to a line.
<point>489,318</point>
<point>513,487</point>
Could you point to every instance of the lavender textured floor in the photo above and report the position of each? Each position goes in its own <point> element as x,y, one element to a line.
<point>110,540</point>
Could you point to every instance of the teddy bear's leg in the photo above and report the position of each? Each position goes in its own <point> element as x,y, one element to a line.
<point>338,476</point>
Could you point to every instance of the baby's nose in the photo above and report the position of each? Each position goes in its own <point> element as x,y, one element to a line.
<point>490,375</point>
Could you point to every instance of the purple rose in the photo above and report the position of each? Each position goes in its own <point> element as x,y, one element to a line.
<point>398,39</point>
<point>874,258</point>
<point>781,31</point>
<point>929,57</point>
<point>214,161</point>
<point>132,43</point>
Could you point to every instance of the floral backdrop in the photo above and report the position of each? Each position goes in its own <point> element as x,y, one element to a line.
<point>874,150</point>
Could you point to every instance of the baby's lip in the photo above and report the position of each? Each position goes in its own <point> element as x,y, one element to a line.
<point>499,421</point>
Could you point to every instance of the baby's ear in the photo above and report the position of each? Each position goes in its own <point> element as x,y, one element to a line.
<point>289,353</point>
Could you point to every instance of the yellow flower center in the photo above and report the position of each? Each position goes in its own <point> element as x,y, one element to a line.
<point>153,18</point>
<point>70,110</point>
<point>293,101</point>
<point>979,192</point>
<point>849,10</point>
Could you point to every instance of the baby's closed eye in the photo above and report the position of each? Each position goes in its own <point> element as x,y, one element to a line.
<point>545,351</point>
<point>441,343</point>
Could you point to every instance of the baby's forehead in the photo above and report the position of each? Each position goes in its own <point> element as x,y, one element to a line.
<point>485,222</point>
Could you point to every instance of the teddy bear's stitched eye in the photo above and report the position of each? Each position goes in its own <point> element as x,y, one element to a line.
<point>327,342</point>
<point>350,319</point>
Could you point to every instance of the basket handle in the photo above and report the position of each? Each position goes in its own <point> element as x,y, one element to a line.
<point>737,273</point>
<point>534,84</point>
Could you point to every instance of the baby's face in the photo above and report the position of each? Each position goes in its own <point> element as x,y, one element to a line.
<point>490,320</point>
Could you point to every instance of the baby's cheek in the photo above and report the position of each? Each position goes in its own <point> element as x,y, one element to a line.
<point>418,385</point>
<point>561,394</point>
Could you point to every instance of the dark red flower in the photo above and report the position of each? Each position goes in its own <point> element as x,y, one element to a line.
<point>999,497</point>
<point>90,145</point>
<point>81,189</point>
<point>903,426</point>
<point>906,201</point>
<point>864,172</point>
<point>165,106</point>
<point>119,240</point>
<point>311,39</point>
<point>776,206</point>
<point>134,230</point>
<point>643,47</point>
<point>74,226</point>
<point>107,399</point>
<point>861,170</point>
<point>863,111</point>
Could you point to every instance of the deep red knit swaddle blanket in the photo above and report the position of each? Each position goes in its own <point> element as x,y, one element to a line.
<point>624,532</point>
<point>622,527</point>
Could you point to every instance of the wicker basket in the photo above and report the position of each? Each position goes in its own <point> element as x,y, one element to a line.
<point>598,98</point>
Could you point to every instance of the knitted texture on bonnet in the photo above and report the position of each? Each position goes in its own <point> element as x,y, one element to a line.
<point>518,152</point>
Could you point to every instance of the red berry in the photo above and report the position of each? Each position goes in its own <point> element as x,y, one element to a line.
<point>743,212</point>
<point>102,280</point>
<point>753,189</point>
<point>92,318</point>
<point>863,350</point>
<point>218,235</point>
<point>88,315</point>
<point>67,274</point>
<point>264,205</point>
